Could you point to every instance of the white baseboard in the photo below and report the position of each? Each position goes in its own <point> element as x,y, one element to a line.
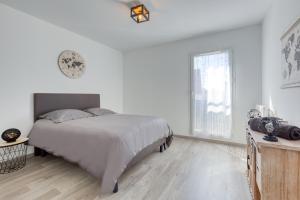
<point>227,142</point>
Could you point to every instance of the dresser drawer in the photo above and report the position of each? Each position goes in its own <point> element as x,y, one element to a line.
<point>258,169</point>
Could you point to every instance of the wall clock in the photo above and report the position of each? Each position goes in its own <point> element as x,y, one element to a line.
<point>71,64</point>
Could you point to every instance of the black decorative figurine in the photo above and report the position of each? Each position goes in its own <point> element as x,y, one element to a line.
<point>11,135</point>
<point>270,127</point>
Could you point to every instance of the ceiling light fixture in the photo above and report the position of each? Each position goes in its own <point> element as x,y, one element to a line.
<point>140,13</point>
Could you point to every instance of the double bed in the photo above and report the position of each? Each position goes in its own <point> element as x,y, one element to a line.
<point>105,146</point>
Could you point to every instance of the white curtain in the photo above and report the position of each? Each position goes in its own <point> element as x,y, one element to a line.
<point>212,94</point>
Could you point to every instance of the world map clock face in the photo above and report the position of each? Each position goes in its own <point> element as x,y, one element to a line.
<point>71,64</point>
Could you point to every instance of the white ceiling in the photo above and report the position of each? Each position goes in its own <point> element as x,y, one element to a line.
<point>108,21</point>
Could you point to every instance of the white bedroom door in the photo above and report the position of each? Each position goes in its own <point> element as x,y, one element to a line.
<point>212,95</point>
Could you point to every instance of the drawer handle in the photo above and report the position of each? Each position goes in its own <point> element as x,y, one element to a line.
<point>248,158</point>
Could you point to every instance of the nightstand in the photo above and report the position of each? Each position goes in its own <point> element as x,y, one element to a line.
<point>13,155</point>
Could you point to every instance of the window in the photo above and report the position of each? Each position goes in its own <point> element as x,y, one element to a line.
<point>211,94</point>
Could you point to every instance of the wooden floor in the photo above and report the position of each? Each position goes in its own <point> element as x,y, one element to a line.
<point>189,170</point>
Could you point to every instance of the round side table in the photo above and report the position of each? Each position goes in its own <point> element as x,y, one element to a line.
<point>13,155</point>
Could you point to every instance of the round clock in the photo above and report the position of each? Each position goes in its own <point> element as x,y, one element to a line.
<point>71,64</point>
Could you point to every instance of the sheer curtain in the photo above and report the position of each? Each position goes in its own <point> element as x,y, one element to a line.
<point>212,95</point>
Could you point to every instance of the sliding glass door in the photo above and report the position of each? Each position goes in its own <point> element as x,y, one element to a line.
<point>212,95</point>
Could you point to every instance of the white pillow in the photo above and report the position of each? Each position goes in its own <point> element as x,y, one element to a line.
<point>99,111</point>
<point>59,116</point>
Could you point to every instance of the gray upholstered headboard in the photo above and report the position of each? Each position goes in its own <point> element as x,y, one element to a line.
<point>46,102</point>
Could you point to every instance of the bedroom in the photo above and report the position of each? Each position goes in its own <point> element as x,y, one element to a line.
<point>146,69</point>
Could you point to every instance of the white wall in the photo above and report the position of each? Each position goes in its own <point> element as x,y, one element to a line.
<point>157,79</point>
<point>284,101</point>
<point>29,49</point>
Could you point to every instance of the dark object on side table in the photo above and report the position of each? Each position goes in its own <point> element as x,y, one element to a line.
<point>11,135</point>
<point>258,124</point>
<point>288,132</point>
<point>270,126</point>
<point>282,129</point>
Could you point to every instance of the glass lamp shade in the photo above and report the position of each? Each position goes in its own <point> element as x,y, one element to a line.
<point>140,13</point>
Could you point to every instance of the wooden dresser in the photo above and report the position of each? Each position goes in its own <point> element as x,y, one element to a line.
<point>273,168</point>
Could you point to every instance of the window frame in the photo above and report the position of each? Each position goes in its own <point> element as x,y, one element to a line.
<point>233,88</point>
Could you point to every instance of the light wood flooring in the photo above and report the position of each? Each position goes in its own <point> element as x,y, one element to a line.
<point>188,170</point>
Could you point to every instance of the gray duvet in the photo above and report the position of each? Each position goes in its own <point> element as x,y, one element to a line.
<point>102,145</point>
